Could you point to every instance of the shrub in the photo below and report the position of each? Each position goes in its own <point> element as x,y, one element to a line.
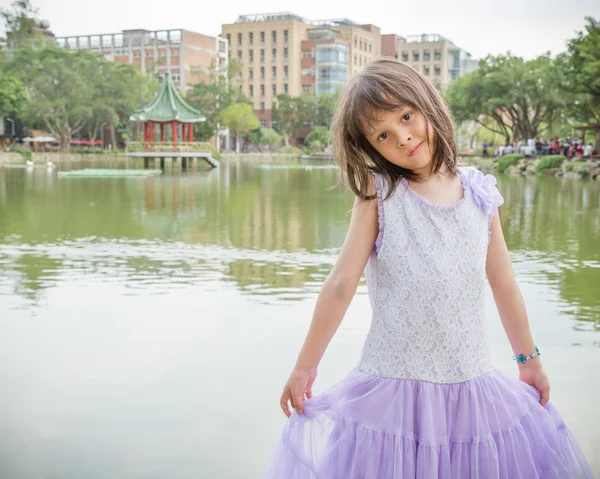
<point>550,161</point>
<point>508,160</point>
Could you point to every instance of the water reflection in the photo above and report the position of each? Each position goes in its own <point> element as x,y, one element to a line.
<point>271,233</point>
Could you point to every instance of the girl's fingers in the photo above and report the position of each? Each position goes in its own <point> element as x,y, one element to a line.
<point>283,402</point>
<point>297,402</point>
<point>545,396</point>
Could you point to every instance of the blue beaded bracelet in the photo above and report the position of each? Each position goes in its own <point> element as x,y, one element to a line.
<point>523,359</point>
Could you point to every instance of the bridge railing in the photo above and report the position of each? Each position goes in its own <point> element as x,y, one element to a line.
<point>184,146</point>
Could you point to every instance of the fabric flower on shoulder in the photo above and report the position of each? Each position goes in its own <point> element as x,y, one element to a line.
<point>484,192</point>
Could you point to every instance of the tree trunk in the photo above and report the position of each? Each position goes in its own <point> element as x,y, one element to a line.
<point>113,136</point>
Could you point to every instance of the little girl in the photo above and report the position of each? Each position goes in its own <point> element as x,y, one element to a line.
<point>425,400</point>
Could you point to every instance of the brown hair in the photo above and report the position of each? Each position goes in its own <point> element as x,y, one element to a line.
<point>387,85</point>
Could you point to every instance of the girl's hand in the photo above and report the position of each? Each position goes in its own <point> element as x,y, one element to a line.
<point>535,376</point>
<point>297,389</point>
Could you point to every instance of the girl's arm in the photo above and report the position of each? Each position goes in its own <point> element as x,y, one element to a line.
<point>511,308</point>
<point>332,303</point>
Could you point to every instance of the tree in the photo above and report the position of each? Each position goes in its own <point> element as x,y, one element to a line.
<point>240,119</point>
<point>318,137</point>
<point>581,73</point>
<point>213,96</point>
<point>325,108</point>
<point>12,94</point>
<point>271,137</point>
<point>509,96</point>
<point>290,114</point>
<point>19,22</point>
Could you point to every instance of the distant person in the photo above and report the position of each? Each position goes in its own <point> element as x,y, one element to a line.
<point>425,400</point>
<point>485,149</point>
<point>588,150</point>
<point>539,147</point>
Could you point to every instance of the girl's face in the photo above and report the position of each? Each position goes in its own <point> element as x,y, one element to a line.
<point>401,138</point>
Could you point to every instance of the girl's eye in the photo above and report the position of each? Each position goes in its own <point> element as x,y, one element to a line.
<point>382,137</point>
<point>407,116</point>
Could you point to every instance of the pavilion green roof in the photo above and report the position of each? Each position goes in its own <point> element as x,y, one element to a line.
<point>168,105</point>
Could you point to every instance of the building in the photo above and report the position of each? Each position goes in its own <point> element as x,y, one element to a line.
<point>187,56</point>
<point>324,62</point>
<point>285,53</point>
<point>436,57</point>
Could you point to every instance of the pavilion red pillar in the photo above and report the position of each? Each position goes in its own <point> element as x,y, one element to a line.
<point>162,132</point>
<point>151,133</point>
<point>191,137</point>
<point>145,132</point>
<point>174,130</point>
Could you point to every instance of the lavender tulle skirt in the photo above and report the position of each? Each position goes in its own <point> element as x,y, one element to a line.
<point>371,427</point>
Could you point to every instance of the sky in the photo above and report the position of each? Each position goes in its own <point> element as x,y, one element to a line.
<point>527,28</point>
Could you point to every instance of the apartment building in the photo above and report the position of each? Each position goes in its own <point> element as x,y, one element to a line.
<point>186,55</point>
<point>285,53</point>
<point>436,57</point>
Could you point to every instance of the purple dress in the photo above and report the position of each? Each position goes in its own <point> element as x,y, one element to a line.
<point>425,400</point>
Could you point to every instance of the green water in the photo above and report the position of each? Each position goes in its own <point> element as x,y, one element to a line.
<point>147,325</point>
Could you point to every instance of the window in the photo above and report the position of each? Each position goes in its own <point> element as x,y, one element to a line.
<point>355,42</point>
<point>285,87</point>
<point>240,54</point>
<point>229,38</point>
<point>415,56</point>
<point>437,55</point>
<point>274,53</point>
<point>360,45</point>
<point>251,55</point>
<point>426,56</point>
<point>426,70</point>
<point>307,89</point>
<point>262,106</point>
<point>307,54</point>
<point>273,37</point>
<point>437,71</point>
<point>263,123</point>
<point>262,55</point>
<point>285,72</point>
<point>354,60</point>
<point>251,92</point>
<point>251,73</point>
<point>404,56</point>
<point>250,38</point>
<point>308,72</point>
<point>285,36</point>
<point>262,38</point>
<point>307,124</point>
<point>274,89</point>
<point>274,72</point>
<point>262,73</point>
<point>175,76</point>
<point>370,48</point>
<point>262,91</point>
<point>239,38</point>
<point>285,53</point>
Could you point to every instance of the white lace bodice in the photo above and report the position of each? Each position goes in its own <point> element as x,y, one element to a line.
<point>426,283</point>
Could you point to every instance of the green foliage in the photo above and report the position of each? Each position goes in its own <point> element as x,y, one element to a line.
<point>69,91</point>
<point>510,96</point>
<point>19,22</point>
<point>271,137</point>
<point>508,160</point>
<point>26,154</point>
<point>581,73</point>
<point>576,165</point>
<point>320,135</point>
<point>550,161</point>
<point>215,95</point>
<point>291,150</point>
<point>13,97</point>
<point>254,137</point>
<point>239,118</point>
<point>89,151</point>
<point>290,114</point>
